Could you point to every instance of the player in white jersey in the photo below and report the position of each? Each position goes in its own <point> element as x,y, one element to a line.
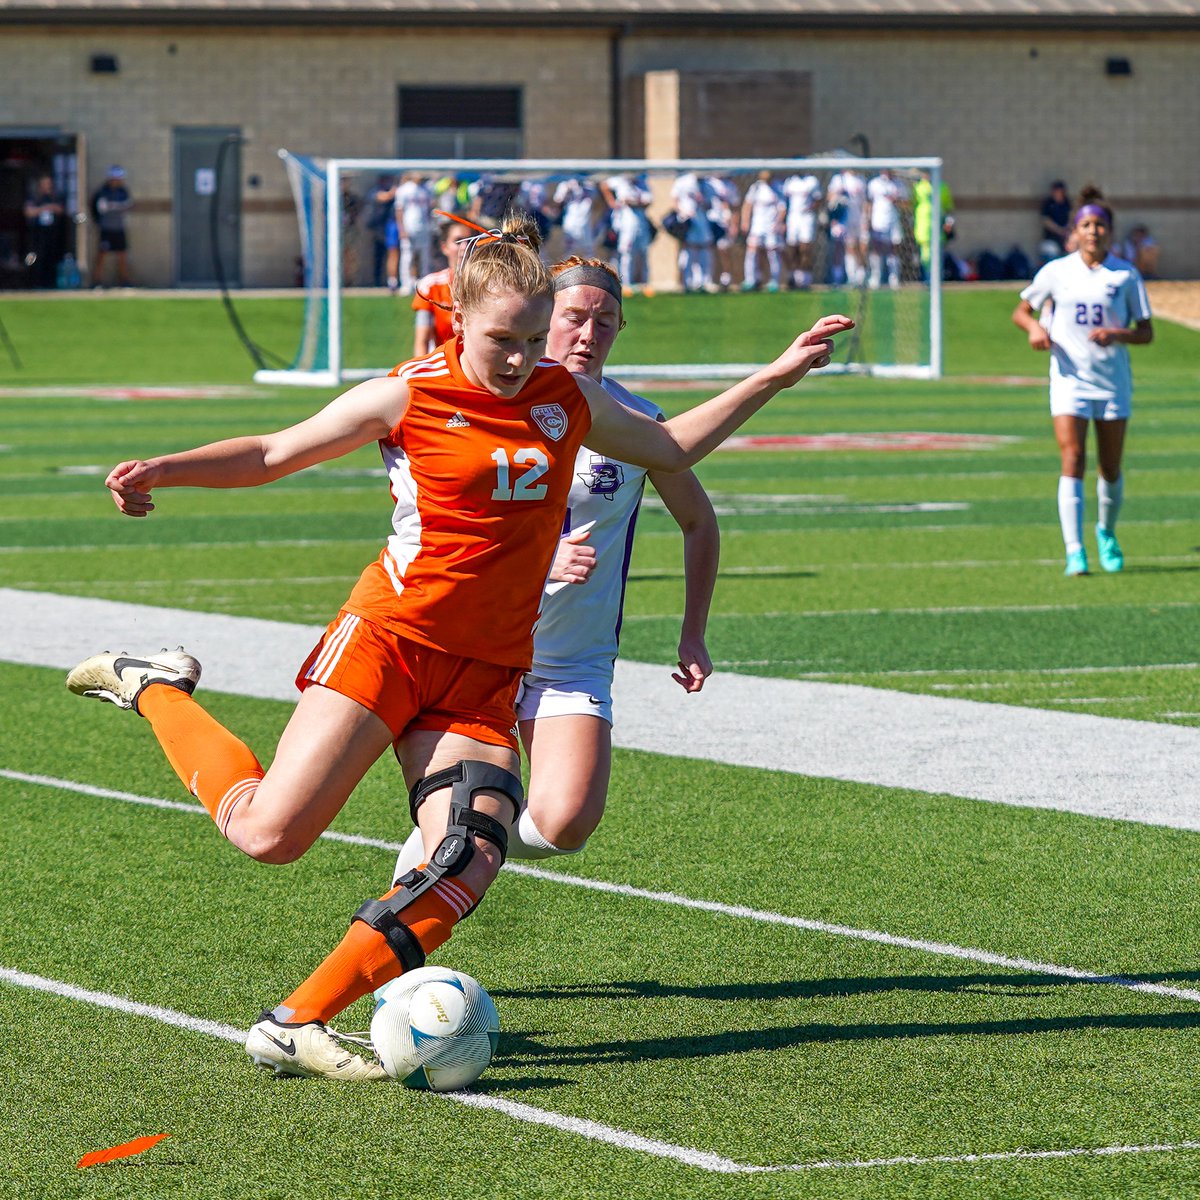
<point>564,708</point>
<point>885,196</point>
<point>763,211</point>
<point>722,217</point>
<point>692,203</point>
<point>576,200</point>
<point>803,194</point>
<point>1099,310</point>
<point>846,200</point>
<point>628,196</point>
<point>414,224</point>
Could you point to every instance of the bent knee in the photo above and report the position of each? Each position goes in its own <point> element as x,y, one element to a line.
<point>274,846</point>
<point>569,835</point>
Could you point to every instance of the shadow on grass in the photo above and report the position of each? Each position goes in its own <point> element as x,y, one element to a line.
<point>524,1048</point>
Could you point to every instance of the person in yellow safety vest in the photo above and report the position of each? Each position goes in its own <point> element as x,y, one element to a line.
<point>922,214</point>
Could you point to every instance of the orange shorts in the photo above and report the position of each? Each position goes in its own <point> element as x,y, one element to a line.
<point>412,686</point>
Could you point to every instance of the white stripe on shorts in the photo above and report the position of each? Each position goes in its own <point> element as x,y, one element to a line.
<point>333,649</point>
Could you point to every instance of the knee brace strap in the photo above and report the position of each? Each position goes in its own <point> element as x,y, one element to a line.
<point>381,916</point>
<point>465,778</point>
<point>453,853</point>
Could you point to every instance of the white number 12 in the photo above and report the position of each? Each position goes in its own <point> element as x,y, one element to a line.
<point>525,488</point>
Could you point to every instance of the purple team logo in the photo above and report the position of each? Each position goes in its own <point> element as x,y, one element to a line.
<point>604,478</point>
<point>551,419</point>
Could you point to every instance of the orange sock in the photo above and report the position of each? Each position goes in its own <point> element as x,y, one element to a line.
<point>364,961</point>
<point>218,769</point>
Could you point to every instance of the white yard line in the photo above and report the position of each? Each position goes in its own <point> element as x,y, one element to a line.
<point>1074,762</point>
<point>705,1160</point>
<point>738,911</point>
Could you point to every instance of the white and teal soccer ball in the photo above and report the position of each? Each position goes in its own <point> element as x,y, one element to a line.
<point>434,1028</point>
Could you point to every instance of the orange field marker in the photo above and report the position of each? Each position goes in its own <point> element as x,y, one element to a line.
<point>127,1150</point>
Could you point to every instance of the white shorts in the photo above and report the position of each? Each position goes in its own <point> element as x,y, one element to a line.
<point>890,234</point>
<point>588,696</point>
<point>1065,403</point>
<point>767,239</point>
<point>801,229</point>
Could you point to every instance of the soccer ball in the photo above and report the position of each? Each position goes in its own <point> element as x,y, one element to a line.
<point>434,1029</point>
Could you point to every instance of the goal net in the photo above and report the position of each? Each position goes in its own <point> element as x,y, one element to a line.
<point>723,259</point>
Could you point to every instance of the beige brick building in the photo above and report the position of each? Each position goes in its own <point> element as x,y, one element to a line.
<point>1011,94</point>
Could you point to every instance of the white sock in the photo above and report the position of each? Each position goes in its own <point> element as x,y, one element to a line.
<point>528,841</point>
<point>1110,496</point>
<point>412,855</point>
<point>1070,512</point>
<point>750,266</point>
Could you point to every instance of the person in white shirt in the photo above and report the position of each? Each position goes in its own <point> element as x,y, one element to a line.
<point>576,200</point>
<point>628,197</point>
<point>763,210</point>
<point>846,200</point>
<point>1099,310</point>
<point>722,216</point>
<point>564,706</point>
<point>692,203</point>
<point>885,196</point>
<point>414,224</point>
<point>803,194</point>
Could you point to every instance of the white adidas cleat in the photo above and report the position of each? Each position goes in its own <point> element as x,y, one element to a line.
<point>120,678</point>
<point>308,1050</point>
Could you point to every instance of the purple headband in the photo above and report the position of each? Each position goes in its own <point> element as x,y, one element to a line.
<point>1091,210</point>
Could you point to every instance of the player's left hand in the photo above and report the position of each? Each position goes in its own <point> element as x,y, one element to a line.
<point>574,561</point>
<point>694,665</point>
<point>813,349</point>
<point>1103,337</point>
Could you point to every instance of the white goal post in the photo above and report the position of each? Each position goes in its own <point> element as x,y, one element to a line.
<point>352,325</point>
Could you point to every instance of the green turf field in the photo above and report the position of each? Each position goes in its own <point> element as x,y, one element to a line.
<point>650,1048</point>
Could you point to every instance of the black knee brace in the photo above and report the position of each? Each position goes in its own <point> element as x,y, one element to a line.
<point>454,852</point>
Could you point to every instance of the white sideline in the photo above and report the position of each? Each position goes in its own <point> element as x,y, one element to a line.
<point>1099,766</point>
<point>921,945</point>
<point>593,1130</point>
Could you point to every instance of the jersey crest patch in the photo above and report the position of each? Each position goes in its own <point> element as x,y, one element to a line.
<point>603,479</point>
<point>551,419</point>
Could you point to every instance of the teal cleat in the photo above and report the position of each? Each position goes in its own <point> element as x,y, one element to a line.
<point>1076,563</point>
<point>1111,558</point>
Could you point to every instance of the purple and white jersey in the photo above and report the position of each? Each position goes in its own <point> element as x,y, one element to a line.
<point>581,623</point>
<point>1110,295</point>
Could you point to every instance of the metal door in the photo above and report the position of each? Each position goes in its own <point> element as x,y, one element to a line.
<point>208,199</point>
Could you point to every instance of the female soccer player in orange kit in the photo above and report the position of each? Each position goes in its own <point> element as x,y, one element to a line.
<point>479,440</point>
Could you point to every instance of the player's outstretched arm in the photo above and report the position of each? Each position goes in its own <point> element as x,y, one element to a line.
<point>685,439</point>
<point>364,414</point>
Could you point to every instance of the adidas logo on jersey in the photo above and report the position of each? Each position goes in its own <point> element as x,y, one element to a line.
<point>458,421</point>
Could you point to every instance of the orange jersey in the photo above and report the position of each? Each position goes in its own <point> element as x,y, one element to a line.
<point>480,486</point>
<point>433,291</point>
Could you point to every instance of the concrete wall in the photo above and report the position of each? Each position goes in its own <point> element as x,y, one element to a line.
<point>1008,112</point>
<point>312,91</point>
